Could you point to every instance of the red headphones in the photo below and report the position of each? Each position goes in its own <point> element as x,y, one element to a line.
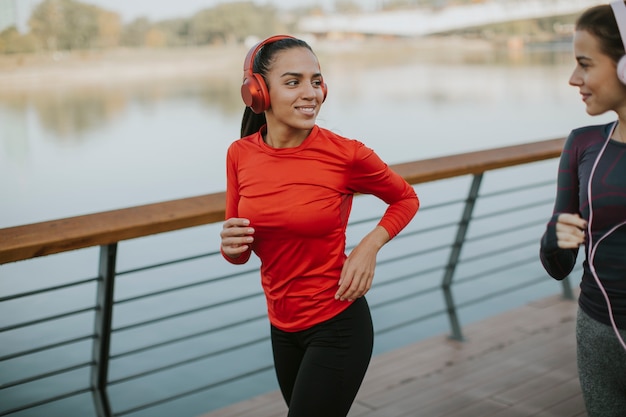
<point>254,90</point>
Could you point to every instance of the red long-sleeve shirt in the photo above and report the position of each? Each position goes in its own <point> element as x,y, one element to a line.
<point>298,201</point>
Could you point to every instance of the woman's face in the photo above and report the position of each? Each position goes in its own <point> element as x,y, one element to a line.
<point>295,89</point>
<point>595,76</point>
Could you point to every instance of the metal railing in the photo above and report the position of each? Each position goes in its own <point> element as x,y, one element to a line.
<point>166,318</point>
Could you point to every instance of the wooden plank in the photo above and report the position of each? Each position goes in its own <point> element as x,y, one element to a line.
<point>573,406</point>
<point>55,236</point>
<point>440,352</point>
<point>466,382</point>
<point>518,363</point>
<point>268,405</point>
<point>478,161</point>
<point>549,398</point>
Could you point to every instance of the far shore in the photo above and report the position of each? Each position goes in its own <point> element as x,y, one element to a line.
<point>119,66</point>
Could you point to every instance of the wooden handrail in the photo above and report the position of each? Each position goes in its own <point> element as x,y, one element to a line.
<point>477,162</point>
<point>55,236</point>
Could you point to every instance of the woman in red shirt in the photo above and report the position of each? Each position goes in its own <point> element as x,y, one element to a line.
<point>290,186</point>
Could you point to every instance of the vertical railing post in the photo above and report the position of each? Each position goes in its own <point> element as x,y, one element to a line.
<point>102,330</point>
<point>455,254</point>
<point>568,294</point>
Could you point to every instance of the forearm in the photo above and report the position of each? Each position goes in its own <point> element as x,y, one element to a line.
<point>557,262</point>
<point>377,238</point>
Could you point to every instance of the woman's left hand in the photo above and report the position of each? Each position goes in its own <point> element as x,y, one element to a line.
<point>357,273</point>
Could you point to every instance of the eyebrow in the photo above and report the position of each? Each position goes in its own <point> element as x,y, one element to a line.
<point>299,75</point>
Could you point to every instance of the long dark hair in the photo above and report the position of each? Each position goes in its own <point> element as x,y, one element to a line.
<point>600,22</point>
<point>252,122</point>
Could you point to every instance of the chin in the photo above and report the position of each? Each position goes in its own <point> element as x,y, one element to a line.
<point>591,111</point>
<point>306,126</point>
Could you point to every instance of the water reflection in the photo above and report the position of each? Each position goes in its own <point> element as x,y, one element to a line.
<point>66,114</point>
<point>13,133</point>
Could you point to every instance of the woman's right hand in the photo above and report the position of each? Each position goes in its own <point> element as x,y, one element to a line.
<point>570,230</point>
<point>236,236</point>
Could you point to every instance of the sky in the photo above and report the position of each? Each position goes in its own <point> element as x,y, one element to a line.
<point>156,10</point>
<point>166,9</point>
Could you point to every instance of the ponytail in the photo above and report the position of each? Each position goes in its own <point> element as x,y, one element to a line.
<point>251,122</point>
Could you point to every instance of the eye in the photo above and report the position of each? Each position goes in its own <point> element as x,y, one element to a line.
<point>317,83</point>
<point>584,64</point>
<point>292,83</point>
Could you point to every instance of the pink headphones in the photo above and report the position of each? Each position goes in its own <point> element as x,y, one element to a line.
<point>619,10</point>
<point>254,90</point>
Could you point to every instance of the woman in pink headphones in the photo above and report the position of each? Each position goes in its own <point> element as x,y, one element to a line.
<point>289,192</point>
<point>590,210</point>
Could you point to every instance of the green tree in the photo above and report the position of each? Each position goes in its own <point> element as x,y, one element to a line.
<point>176,32</point>
<point>109,29</point>
<point>65,24</point>
<point>347,6</point>
<point>12,42</point>
<point>134,34</point>
<point>233,22</point>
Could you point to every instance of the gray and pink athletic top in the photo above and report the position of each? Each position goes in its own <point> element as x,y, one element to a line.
<point>608,206</point>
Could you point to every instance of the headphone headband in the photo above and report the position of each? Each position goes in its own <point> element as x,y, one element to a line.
<point>619,10</point>
<point>248,64</point>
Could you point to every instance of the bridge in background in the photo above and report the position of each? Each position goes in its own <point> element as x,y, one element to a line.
<point>423,22</point>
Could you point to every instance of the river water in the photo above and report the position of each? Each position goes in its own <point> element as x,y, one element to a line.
<point>71,150</point>
<point>74,150</point>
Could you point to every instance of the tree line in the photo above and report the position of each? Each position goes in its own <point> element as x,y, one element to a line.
<point>64,25</point>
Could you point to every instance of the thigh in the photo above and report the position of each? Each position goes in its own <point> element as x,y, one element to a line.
<point>601,367</point>
<point>337,355</point>
<point>288,354</point>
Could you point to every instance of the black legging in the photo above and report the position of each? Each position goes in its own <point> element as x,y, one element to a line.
<point>320,369</point>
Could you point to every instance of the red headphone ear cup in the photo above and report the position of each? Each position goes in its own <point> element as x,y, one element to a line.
<point>254,93</point>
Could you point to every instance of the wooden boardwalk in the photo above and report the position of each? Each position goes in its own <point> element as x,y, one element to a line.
<point>520,363</point>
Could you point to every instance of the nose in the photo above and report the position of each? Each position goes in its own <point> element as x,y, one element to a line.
<point>576,79</point>
<point>309,90</point>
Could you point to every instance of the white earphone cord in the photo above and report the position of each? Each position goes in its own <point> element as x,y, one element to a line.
<point>592,248</point>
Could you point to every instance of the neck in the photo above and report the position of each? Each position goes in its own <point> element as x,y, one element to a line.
<point>288,139</point>
<point>620,132</point>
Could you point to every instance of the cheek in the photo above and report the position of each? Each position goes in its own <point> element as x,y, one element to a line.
<point>613,87</point>
<point>279,97</point>
<point>600,81</point>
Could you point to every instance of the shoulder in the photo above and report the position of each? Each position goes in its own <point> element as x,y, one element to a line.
<point>586,136</point>
<point>246,140</point>
<point>585,142</point>
<point>332,136</point>
<point>353,154</point>
<point>348,145</point>
<point>243,143</point>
